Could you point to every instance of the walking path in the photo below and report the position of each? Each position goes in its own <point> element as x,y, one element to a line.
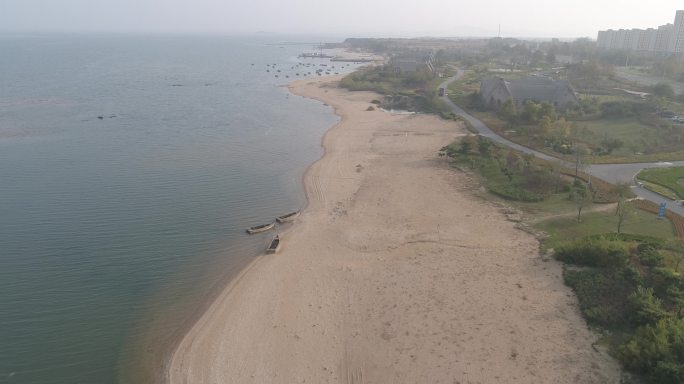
<point>612,173</point>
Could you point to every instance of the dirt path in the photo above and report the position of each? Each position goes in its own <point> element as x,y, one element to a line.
<point>594,208</point>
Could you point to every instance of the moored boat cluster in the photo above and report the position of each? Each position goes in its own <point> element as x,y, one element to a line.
<point>275,243</point>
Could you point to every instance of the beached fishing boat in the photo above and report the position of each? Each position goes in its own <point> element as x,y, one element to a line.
<point>275,245</point>
<point>260,228</point>
<point>287,218</point>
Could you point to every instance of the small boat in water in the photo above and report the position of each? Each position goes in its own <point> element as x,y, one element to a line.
<point>287,218</point>
<point>260,228</point>
<point>275,245</point>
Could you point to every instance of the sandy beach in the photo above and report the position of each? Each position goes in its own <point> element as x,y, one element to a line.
<point>395,273</point>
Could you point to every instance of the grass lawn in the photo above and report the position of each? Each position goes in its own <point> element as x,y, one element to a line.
<point>626,129</point>
<point>670,178</point>
<point>557,204</point>
<point>638,222</point>
<point>659,189</point>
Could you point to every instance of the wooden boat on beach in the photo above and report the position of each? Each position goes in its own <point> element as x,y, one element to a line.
<point>260,228</point>
<point>287,218</point>
<point>275,245</point>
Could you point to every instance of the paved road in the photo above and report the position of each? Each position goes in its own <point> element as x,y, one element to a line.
<point>612,173</point>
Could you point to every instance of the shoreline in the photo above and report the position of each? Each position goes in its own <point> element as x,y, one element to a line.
<point>229,285</point>
<point>161,374</point>
<point>299,314</point>
<point>209,305</point>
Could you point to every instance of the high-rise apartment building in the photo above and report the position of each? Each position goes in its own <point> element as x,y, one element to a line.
<point>668,38</point>
<point>662,43</point>
<point>677,40</point>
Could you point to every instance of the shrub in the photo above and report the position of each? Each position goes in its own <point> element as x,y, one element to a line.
<point>632,275</point>
<point>667,372</point>
<point>645,307</point>
<point>644,240</point>
<point>513,192</point>
<point>650,257</point>
<point>661,279</point>
<point>657,350</point>
<point>664,90</point>
<point>447,115</point>
<point>593,253</point>
<point>622,108</point>
<point>647,245</point>
<point>602,295</point>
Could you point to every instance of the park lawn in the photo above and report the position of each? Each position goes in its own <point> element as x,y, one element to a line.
<point>659,189</point>
<point>612,97</point>
<point>625,129</point>
<point>670,178</point>
<point>566,228</point>
<point>557,204</point>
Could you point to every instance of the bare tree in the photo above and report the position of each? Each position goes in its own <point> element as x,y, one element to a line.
<point>623,208</point>
<point>580,196</point>
<point>581,157</point>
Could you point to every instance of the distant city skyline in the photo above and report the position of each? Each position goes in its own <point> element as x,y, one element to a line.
<point>667,38</point>
<point>354,18</point>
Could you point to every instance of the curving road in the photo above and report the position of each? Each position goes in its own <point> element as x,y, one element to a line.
<point>612,173</point>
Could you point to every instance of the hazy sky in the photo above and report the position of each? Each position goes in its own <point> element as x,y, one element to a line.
<point>527,18</point>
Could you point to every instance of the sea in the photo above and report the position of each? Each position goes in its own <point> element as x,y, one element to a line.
<point>130,167</point>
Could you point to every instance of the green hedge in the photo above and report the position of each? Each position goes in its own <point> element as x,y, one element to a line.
<point>512,192</point>
<point>655,242</point>
<point>602,295</point>
<point>594,253</point>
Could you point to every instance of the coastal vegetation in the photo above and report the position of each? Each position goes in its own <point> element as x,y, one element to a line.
<point>623,264</point>
<point>631,287</point>
<point>407,90</point>
<point>621,261</point>
<point>506,173</point>
<point>522,177</point>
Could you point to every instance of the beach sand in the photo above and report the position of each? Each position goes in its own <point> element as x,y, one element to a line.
<point>394,273</point>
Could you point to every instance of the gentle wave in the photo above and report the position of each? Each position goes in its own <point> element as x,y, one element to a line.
<point>124,202</point>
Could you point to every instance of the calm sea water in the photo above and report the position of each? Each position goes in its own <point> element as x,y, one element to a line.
<point>129,169</point>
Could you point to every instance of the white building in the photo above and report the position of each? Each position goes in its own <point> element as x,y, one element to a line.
<point>603,40</point>
<point>663,38</point>
<point>668,38</point>
<point>647,40</point>
<point>677,40</point>
<point>618,41</point>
